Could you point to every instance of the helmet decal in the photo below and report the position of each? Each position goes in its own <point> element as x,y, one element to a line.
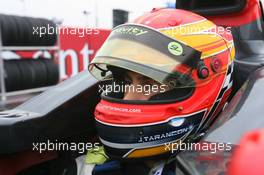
<point>134,137</point>
<point>175,48</point>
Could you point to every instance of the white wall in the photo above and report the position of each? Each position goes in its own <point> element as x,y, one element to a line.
<point>135,7</point>
<point>71,11</point>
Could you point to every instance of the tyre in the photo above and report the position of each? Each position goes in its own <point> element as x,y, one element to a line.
<point>27,74</point>
<point>51,39</point>
<point>52,72</point>
<point>4,30</point>
<point>44,38</point>
<point>12,75</point>
<point>36,39</point>
<point>24,31</point>
<point>32,34</point>
<point>14,31</point>
<point>18,31</point>
<point>40,73</point>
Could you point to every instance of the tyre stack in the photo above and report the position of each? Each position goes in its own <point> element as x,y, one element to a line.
<point>27,31</point>
<point>28,73</point>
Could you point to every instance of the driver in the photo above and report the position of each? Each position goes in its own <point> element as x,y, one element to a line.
<point>167,76</point>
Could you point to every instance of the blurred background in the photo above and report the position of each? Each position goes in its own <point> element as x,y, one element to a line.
<point>80,13</point>
<point>32,62</point>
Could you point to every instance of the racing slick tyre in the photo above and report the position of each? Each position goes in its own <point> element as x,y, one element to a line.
<point>52,72</point>
<point>36,39</point>
<point>12,76</point>
<point>14,32</point>
<point>27,74</point>
<point>20,31</point>
<point>40,73</point>
<point>4,30</point>
<point>24,31</point>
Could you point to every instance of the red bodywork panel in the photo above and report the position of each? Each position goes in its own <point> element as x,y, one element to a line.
<point>251,12</point>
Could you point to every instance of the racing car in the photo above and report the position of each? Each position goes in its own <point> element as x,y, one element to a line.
<point>64,113</point>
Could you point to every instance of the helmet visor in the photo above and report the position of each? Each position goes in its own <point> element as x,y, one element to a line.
<point>148,52</point>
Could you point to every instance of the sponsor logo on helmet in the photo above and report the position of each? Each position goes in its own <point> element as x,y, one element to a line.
<point>175,48</point>
<point>165,135</point>
<point>132,110</point>
<point>130,30</point>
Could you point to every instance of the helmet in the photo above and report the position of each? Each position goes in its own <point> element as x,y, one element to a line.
<point>248,157</point>
<point>174,47</point>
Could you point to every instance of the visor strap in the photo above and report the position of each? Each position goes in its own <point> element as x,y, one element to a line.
<point>103,73</point>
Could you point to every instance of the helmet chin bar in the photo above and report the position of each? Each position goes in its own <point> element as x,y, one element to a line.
<point>144,140</point>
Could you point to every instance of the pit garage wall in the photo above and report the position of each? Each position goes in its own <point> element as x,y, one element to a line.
<point>76,50</point>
